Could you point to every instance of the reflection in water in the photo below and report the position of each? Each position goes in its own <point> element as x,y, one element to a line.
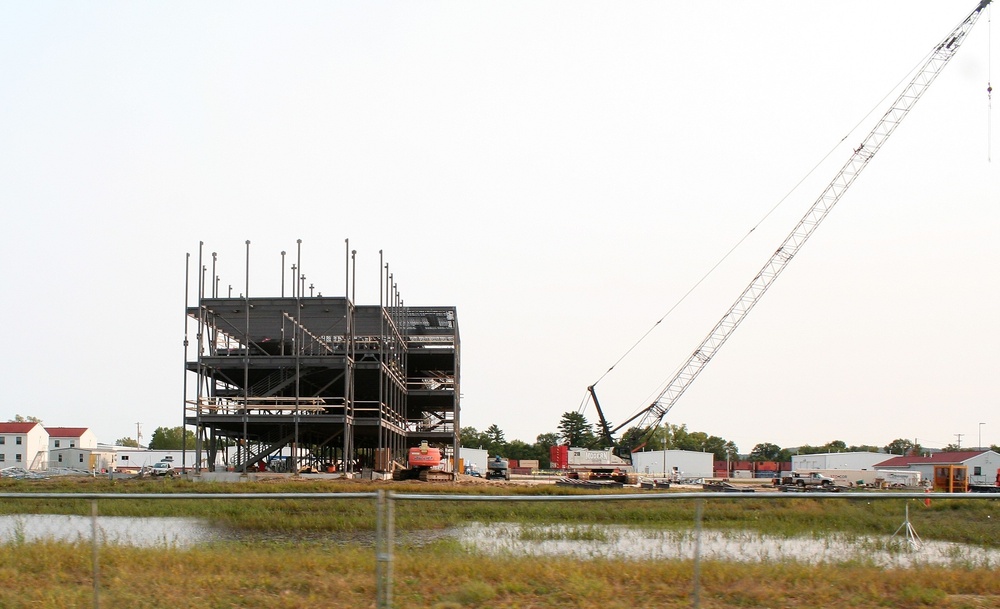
<point>175,532</point>
<point>142,532</point>
<point>579,541</point>
<point>604,541</point>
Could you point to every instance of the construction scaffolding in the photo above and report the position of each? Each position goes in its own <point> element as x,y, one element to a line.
<point>318,383</point>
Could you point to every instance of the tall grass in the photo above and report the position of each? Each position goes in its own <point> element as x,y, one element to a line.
<point>239,575</point>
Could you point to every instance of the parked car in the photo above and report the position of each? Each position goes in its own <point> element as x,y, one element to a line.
<point>162,468</point>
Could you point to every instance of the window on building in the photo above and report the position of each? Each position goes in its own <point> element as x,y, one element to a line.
<point>60,458</point>
<point>124,457</point>
<point>3,457</point>
<point>72,444</point>
<point>977,470</point>
<point>17,440</point>
<point>57,444</point>
<point>3,440</point>
<point>81,457</point>
<point>17,457</point>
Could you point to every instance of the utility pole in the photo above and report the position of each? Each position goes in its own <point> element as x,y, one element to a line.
<point>959,436</point>
<point>138,436</point>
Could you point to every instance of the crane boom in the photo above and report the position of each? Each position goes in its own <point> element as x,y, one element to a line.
<point>862,155</point>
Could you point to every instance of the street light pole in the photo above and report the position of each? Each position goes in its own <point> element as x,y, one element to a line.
<point>981,435</point>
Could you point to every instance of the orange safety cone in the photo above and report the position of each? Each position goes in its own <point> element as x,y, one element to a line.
<point>927,500</point>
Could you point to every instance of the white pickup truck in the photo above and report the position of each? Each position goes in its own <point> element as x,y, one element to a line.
<point>803,480</point>
<point>163,468</point>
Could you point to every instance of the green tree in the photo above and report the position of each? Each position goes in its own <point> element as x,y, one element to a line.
<point>20,419</point>
<point>863,448</point>
<point>495,442</point>
<point>472,438</point>
<point>902,446</point>
<point>127,442</point>
<point>574,430</point>
<point>171,438</point>
<point>765,451</point>
<point>543,443</point>
<point>547,441</point>
<point>517,449</point>
<point>636,438</point>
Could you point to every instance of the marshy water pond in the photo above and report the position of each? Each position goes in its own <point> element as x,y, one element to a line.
<point>581,541</point>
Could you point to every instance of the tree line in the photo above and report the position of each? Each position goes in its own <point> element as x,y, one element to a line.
<point>574,430</point>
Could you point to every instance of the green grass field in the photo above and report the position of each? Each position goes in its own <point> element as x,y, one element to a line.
<point>443,574</point>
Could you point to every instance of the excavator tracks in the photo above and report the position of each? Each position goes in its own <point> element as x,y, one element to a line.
<point>436,475</point>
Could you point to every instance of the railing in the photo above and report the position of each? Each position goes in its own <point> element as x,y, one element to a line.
<point>259,405</point>
<point>95,531</point>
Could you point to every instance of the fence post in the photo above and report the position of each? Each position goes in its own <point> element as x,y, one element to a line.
<point>94,543</point>
<point>384,529</point>
<point>379,549</point>
<point>390,544</point>
<point>696,595</point>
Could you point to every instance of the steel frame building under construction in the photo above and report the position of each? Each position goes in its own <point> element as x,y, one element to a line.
<point>328,384</point>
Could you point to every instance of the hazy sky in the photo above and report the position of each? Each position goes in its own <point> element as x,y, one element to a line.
<point>562,172</point>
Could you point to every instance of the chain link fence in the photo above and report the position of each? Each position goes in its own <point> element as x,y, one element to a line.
<point>357,549</point>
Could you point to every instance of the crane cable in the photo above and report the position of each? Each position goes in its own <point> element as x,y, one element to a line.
<point>874,108</point>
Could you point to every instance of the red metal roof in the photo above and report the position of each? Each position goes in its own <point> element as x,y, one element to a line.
<point>16,427</point>
<point>941,457</point>
<point>66,432</point>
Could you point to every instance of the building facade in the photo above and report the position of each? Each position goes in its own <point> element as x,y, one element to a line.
<point>23,445</point>
<point>983,465</point>
<point>348,386</point>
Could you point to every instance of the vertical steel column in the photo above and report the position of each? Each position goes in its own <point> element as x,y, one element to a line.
<point>299,333</point>
<point>382,368</point>
<point>199,367</point>
<point>348,358</point>
<point>350,404</point>
<point>187,279</point>
<point>245,449</point>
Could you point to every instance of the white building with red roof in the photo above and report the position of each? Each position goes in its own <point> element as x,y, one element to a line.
<point>983,465</point>
<point>76,448</point>
<point>71,437</point>
<point>23,445</point>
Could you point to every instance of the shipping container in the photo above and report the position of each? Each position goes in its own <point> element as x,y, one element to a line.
<point>559,457</point>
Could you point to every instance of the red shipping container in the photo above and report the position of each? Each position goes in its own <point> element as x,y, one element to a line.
<point>559,457</point>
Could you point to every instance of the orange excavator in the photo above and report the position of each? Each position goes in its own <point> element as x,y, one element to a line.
<point>422,464</point>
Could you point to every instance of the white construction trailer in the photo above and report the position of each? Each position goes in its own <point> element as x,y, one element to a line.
<point>674,465</point>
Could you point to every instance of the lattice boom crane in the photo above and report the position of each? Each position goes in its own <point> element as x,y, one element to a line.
<point>862,155</point>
